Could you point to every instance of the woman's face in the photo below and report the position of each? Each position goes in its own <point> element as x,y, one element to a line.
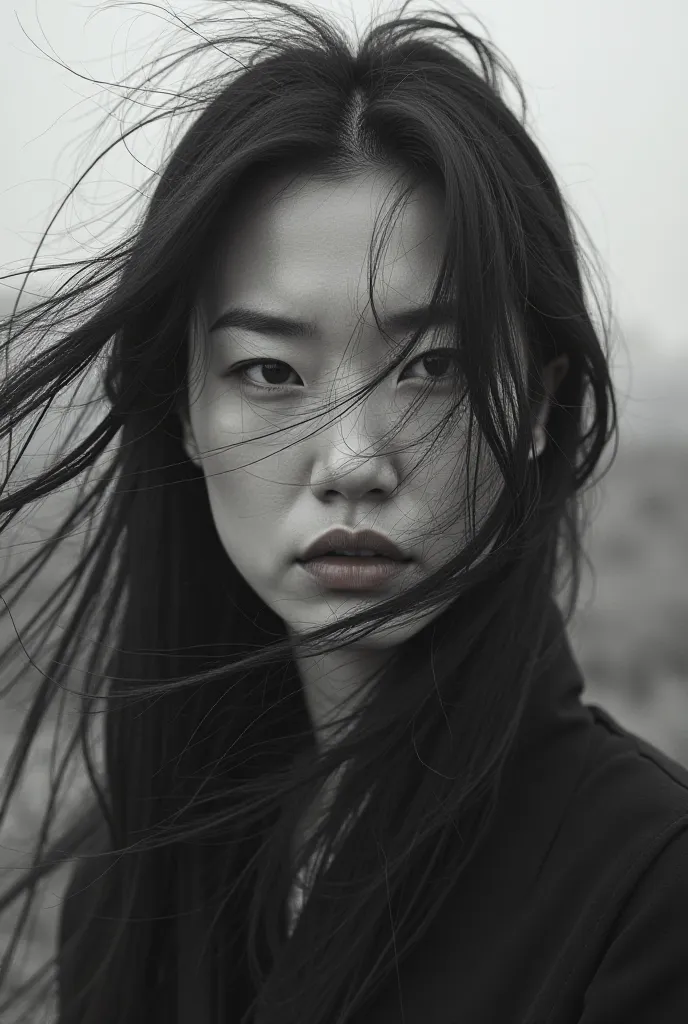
<point>306,461</point>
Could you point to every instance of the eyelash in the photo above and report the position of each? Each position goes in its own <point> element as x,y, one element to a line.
<point>280,387</point>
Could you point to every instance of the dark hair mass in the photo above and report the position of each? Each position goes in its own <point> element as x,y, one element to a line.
<point>208,752</point>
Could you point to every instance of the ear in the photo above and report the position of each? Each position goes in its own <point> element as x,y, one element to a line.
<point>188,440</point>
<point>552,376</point>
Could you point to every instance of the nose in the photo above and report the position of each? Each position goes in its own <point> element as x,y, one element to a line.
<point>352,459</point>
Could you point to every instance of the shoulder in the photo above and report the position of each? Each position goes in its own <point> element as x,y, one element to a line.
<point>643,975</point>
<point>664,769</point>
<point>630,817</point>
<point>629,804</point>
<point>632,789</point>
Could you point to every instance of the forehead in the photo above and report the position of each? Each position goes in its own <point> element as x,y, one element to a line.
<point>303,245</point>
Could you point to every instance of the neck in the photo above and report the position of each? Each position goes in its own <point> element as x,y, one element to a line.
<point>334,684</point>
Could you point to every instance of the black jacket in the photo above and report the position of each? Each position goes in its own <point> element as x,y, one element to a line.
<point>575,910</point>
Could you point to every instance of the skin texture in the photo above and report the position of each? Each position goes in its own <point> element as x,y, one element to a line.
<point>302,251</point>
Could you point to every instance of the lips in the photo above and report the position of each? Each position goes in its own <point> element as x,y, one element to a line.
<point>354,574</point>
<point>341,539</point>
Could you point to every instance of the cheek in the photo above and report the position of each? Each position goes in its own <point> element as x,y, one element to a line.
<point>249,505</point>
<point>450,485</point>
<point>242,525</point>
<point>242,500</point>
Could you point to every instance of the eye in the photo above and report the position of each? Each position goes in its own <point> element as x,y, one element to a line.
<point>439,361</point>
<point>439,365</point>
<point>274,371</point>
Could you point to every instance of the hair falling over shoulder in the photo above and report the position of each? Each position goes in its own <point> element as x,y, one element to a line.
<point>207,753</point>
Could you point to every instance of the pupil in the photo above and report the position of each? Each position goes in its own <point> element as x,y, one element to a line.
<point>446,359</point>
<point>279,368</point>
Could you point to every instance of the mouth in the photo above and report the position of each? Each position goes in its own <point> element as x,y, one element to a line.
<point>353,571</point>
<point>355,557</point>
<point>340,542</point>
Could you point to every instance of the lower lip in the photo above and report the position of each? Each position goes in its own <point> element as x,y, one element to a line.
<point>341,572</point>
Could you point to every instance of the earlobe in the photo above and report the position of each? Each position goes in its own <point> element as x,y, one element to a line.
<point>188,441</point>
<point>192,453</point>
<point>553,375</point>
<point>555,372</point>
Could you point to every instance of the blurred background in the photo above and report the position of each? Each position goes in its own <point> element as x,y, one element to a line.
<point>606,82</point>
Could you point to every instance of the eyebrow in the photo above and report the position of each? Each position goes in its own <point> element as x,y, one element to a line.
<point>245,319</point>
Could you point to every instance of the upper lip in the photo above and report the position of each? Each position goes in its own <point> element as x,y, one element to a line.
<point>342,539</point>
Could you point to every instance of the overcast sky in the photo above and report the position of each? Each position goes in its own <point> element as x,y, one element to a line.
<point>606,80</point>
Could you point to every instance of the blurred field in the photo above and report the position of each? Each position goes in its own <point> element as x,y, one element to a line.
<point>630,634</point>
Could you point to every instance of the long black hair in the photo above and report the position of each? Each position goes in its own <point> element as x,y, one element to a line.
<point>208,752</point>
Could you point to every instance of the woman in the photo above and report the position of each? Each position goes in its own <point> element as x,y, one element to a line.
<point>355,394</point>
